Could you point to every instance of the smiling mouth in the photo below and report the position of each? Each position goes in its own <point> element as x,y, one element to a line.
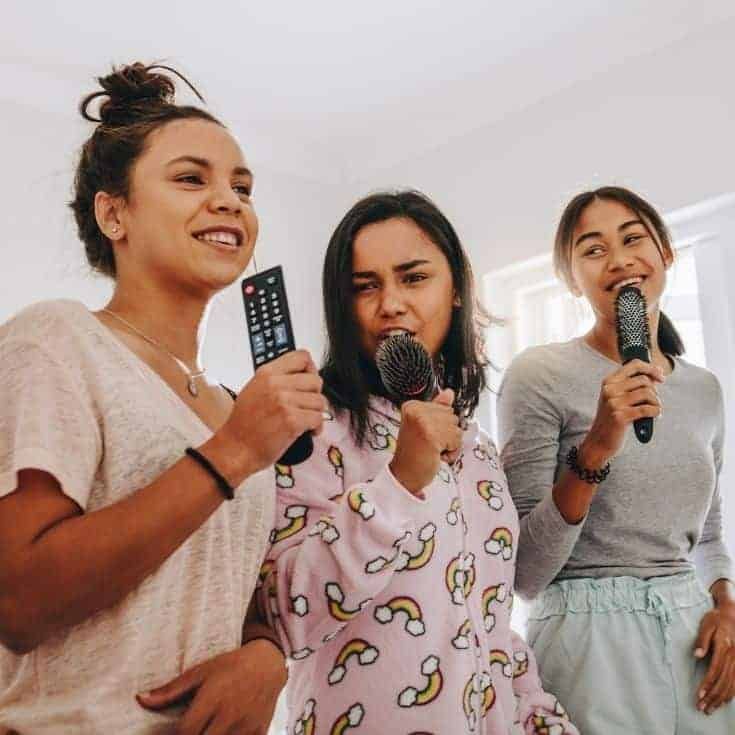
<point>228,240</point>
<point>632,281</point>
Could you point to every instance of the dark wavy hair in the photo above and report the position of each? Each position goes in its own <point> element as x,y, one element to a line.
<point>669,340</point>
<point>349,376</point>
<point>138,101</point>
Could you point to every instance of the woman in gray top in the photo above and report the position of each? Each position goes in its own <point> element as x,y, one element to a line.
<point>621,542</point>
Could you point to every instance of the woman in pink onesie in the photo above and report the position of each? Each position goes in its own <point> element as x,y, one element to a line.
<point>390,576</point>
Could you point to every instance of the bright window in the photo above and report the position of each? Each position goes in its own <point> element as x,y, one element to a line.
<point>542,310</point>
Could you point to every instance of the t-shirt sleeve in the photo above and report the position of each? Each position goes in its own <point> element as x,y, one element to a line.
<point>47,420</point>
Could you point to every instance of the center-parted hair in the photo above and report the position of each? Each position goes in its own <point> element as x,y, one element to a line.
<point>669,340</point>
<point>349,375</point>
<point>137,100</point>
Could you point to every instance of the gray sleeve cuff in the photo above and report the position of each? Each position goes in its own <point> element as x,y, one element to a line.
<point>713,562</point>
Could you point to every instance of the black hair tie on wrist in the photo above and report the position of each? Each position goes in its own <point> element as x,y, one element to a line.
<point>593,477</point>
<point>223,486</point>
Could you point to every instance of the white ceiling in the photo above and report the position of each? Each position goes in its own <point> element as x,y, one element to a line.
<point>332,89</point>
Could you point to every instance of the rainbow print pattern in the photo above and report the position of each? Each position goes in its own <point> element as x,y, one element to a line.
<point>395,610</point>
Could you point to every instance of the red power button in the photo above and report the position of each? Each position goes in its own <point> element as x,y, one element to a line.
<point>249,289</point>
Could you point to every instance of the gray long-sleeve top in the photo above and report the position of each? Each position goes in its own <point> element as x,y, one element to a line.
<point>658,513</point>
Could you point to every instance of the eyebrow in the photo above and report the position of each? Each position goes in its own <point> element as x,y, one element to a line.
<point>400,268</point>
<point>204,163</point>
<point>588,235</point>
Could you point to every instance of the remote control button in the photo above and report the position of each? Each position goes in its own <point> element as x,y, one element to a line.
<point>261,292</point>
<point>271,279</point>
<point>270,355</point>
<point>277,319</point>
<point>281,336</point>
<point>249,289</point>
<point>274,296</point>
<point>268,333</point>
<point>270,343</point>
<point>256,328</point>
<point>266,323</point>
<point>260,360</point>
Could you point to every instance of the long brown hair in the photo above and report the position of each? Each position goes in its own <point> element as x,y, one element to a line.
<point>669,340</point>
<point>349,377</point>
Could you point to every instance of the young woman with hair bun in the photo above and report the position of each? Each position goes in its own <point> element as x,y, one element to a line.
<point>132,517</point>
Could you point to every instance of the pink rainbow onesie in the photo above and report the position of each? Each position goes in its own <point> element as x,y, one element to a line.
<point>395,611</point>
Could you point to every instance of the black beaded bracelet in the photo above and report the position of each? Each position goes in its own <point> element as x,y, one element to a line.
<point>593,477</point>
<point>224,487</point>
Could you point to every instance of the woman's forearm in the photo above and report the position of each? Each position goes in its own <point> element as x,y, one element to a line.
<point>552,527</point>
<point>546,541</point>
<point>89,562</point>
<point>572,495</point>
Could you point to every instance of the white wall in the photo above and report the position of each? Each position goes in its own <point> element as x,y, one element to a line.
<point>662,124</point>
<point>41,257</point>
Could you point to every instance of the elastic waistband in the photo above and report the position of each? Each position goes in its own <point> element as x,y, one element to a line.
<point>611,594</point>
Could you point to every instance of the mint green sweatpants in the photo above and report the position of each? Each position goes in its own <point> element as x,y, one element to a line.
<point>618,653</point>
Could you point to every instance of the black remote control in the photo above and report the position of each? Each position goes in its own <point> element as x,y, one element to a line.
<point>271,335</point>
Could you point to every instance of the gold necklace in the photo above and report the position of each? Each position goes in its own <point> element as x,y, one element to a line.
<point>191,385</point>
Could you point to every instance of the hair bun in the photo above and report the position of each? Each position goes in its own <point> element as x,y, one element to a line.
<point>129,89</point>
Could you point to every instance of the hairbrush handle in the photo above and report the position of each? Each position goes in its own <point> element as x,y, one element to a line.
<point>299,451</point>
<point>643,429</point>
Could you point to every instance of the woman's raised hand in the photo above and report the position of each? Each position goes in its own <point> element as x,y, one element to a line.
<point>627,394</point>
<point>427,430</point>
<point>282,401</point>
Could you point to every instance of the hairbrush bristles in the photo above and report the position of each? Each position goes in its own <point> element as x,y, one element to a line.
<point>631,317</point>
<point>405,368</point>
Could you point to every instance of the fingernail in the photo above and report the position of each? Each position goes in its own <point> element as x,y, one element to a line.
<point>700,706</point>
<point>702,693</point>
<point>699,652</point>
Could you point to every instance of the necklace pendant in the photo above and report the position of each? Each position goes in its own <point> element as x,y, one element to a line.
<point>193,387</point>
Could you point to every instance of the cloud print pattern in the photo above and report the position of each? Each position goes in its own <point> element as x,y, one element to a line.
<point>395,611</point>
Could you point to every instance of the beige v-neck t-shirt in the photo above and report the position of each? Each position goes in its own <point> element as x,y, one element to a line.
<point>77,403</point>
